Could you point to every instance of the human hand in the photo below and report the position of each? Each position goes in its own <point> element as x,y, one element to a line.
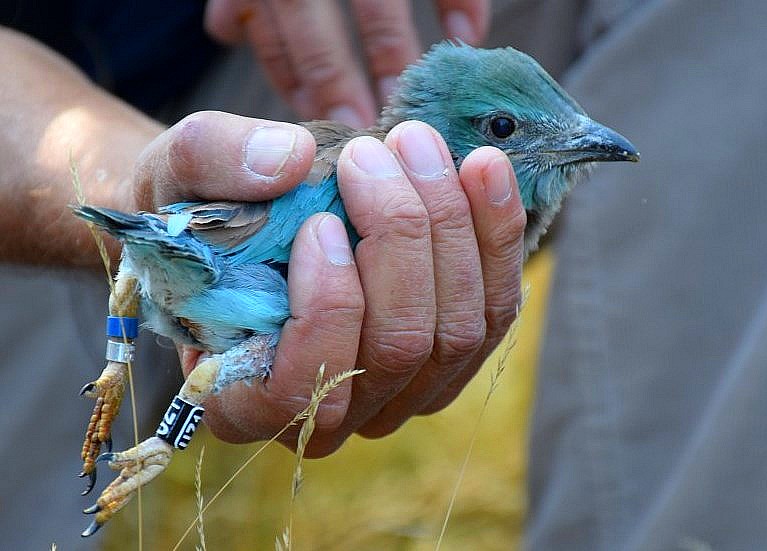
<point>305,51</point>
<point>430,291</point>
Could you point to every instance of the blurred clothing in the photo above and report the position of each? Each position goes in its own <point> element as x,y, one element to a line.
<point>649,428</point>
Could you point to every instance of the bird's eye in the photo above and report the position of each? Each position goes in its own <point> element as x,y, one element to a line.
<point>502,127</point>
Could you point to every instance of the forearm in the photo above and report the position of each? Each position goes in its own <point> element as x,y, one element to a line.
<point>49,111</point>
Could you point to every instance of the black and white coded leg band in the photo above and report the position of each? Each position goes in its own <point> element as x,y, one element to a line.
<point>179,423</point>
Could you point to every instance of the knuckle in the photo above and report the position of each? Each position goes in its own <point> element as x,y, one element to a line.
<point>450,212</point>
<point>319,68</point>
<point>386,34</point>
<point>272,57</point>
<point>504,248</point>
<point>335,313</point>
<point>460,340</point>
<point>517,224</point>
<point>505,254</point>
<point>337,324</point>
<point>385,45</point>
<point>370,10</point>
<point>500,317</point>
<point>401,351</point>
<point>282,408</point>
<point>185,146</point>
<point>271,52</point>
<point>406,216</point>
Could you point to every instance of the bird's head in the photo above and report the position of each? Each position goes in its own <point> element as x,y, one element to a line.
<point>504,98</point>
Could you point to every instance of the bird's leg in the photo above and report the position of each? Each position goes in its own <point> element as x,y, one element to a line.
<point>141,464</point>
<point>108,389</point>
<point>250,359</point>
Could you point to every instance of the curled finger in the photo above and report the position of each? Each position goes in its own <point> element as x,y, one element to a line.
<point>397,274</point>
<point>499,221</point>
<point>460,316</point>
<point>329,81</point>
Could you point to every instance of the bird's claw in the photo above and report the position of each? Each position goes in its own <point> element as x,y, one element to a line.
<point>108,456</point>
<point>91,481</point>
<point>108,391</point>
<point>93,527</point>
<point>92,510</point>
<point>137,466</point>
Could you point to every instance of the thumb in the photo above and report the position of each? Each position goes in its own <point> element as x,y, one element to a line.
<point>212,155</point>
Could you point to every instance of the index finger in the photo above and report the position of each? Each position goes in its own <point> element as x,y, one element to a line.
<point>330,84</point>
<point>467,20</point>
<point>389,40</point>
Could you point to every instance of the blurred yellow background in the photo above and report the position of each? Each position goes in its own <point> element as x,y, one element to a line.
<point>371,494</point>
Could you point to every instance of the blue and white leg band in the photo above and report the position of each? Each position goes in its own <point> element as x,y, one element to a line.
<point>119,330</point>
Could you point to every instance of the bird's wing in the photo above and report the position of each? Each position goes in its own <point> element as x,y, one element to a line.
<point>161,257</point>
<point>223,224</point>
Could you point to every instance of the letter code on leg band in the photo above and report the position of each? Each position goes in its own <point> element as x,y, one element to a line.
<point>179,423</point>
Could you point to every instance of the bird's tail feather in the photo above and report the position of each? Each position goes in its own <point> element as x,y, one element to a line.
<point>113,221</point>
<point>147,236</point>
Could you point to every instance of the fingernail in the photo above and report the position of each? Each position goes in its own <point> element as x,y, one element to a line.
<point>458,25</point>
<point>497,181</point>
<point>334,242</point>
<point>268,149</point>
<point>346,115</point>
<point>373,157</point>
<point>419,150</point>
<point>386,87</point>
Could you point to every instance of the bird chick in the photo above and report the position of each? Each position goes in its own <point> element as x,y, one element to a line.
<point>208,274</point>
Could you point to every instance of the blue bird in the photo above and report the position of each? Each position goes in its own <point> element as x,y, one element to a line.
<point>209,274</point>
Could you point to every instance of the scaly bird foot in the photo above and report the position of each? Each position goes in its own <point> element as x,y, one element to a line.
<point>108,391</point>
<point>248,360</point>
<point>137,466</point>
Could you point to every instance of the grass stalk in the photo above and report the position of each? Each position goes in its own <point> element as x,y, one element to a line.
<point>198,494</point>
<point>324,390</point>
<point>495,377</point>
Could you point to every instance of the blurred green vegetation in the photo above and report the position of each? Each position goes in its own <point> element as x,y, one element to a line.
<point>389,494</point>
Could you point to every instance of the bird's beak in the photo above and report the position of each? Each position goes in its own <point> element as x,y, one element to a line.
<point>590,142</point>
